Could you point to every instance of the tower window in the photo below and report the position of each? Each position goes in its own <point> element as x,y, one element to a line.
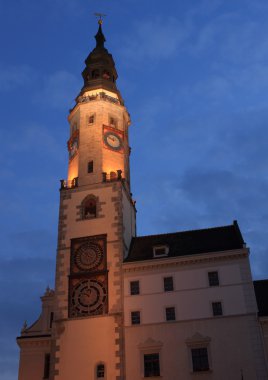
<point>213,278</point>
<point>91,119</point>
<point>135,317</point>
<point>90,167</point>
<point>90,208</point>
<point>113,122</point>
<point>134,288</point>
<point>200,359</point>
<point>151,365</point>
<point>46,366</point>
<point>51,319</point>
<point>106,74</point>
<point>216,308</point>
<point>95,74</point>
<point>100,371</point>
<point>168,284</point>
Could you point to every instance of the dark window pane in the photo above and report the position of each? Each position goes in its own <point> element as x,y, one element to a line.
<point>90,167</point>
<point>100,371</point>
<point>200,359</point>
<point>217,308</point>
<point>160,251</point>
<point>134,287</point>
<point>91,119</point>
<point>170,314</point>
<point>46,366</point>
<point>135,318</point>
<point>113,122</point>
<point>213,278</point>
<point>168,284</point>
<point>51,319</point>
<point>151,365</point>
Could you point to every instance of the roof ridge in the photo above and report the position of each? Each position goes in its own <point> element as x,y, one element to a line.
<point>185,231</point>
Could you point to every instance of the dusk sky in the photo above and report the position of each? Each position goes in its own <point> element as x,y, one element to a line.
<point>194,77</point>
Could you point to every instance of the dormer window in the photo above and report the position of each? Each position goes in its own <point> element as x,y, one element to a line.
<point>160,250</point>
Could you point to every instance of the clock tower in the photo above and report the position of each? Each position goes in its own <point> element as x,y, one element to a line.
<point>83,336</point>
<point>96,225</point>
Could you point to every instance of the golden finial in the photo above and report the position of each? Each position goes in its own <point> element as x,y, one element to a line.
<point>100,16</point>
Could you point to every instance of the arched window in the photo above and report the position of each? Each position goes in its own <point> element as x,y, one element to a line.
<point>100,371</point>
<point>89,208</point>
<point>106,74</point>
<point>95,74</point>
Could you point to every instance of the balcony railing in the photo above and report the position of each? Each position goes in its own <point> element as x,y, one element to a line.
<point>65,184</point>
<point>112,176</point>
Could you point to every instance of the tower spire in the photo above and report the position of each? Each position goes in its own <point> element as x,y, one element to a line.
<point>100,71</point>
<point>100,39</point>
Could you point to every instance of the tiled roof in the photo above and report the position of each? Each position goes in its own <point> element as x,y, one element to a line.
<point>261,292</point>
<point>187,242</point>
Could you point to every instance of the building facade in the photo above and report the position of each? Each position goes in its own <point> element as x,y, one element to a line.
<point>167,306</point>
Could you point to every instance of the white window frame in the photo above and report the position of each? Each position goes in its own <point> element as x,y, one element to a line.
<point>165,247</point>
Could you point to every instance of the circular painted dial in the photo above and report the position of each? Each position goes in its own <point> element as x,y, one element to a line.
<point>113,141</point>
<point>88,256</point>
<point>88,297</point>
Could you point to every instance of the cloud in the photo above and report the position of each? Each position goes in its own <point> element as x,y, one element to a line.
<point>155,38</point>
<point>14,77</point>
<point>58,90</point>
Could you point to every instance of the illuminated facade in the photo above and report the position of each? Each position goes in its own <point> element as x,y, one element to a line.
<point>125,307</point>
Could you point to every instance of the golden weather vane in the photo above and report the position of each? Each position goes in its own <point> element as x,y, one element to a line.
<point>100,16</point>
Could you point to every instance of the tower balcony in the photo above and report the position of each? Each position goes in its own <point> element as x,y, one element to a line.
<point>112,176</point>
<point>66,184</point>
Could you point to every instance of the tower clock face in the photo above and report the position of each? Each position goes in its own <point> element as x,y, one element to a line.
<point>113,141</point>
<point>88,297</point>
<point>88,256</point>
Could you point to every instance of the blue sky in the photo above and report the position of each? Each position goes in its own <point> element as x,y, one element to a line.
<point>194,76</point>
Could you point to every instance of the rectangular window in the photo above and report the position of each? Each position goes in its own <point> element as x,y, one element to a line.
<point>91,119</point>
<point>213,278</point>
<point>134,287</point>
<point>100,371</point>
<point>168,284</point>
<point>90,167</point>
<point>170,314</point>
<point>161,251</point>
<point>217,308</point>
<point>51,319</point>
<point>47,366</point>
<point>135,318</point>
<point>113,122</point>
<point>151,365</point>
<point>200,359</point>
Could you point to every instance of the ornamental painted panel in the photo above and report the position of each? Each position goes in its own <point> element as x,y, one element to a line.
<point>88,296</point>
<point>88,254</point>
<point>88,280</point>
